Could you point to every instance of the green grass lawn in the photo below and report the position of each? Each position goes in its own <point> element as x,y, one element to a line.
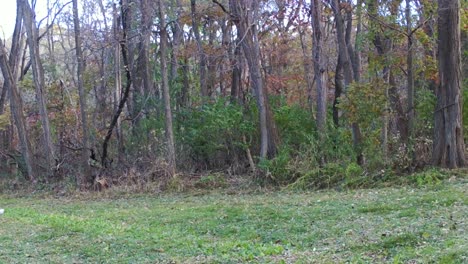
<point>392,225</point>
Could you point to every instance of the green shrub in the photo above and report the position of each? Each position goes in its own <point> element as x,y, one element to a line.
<point>295,124</point>
<point>425,104</point>
<point>213,134</point>
<point>430,177</point>
<point>278,169</point>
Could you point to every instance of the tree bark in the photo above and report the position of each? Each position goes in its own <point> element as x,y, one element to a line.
<point>165,88</point>
<point>135,95</point>
<point>307,69</point>
<point>243,13</point>
<point>126,92</point>
<point>10,71</point>
<point>177,40</point>
<point>409,72</point>
<point>143,81</point>
<point>348,74</point>
<point>339,87</point>
<point>201,52</point>
<point>236,74</point>
<point>38,76</point>
<point>449,147</point>
<point>319,65</point>
<point>86,178</point>
<point>211,61</point>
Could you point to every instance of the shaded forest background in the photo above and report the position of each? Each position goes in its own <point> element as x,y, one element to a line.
<point>310,93</point>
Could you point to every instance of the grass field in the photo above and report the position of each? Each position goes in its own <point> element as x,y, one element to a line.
<point>392,225</point>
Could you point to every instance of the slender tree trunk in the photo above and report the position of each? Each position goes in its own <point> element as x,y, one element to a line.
<point>348,73</point>
<point>319,65</point>
<point>211,62</point>
<point>38,76</point>
<point>226,29</point>
<point>307,70</point>
<point>338,90</point>
<point>126,92</point>
<point>136,91</point>
<point>186,83</point>
<point>410,78</point>
<point>165,89</point>
<point>143,83</point>
<point>236,74</point>
<point>201,52</point>
<point>243,14</point>
<point>357,46</point>
<point>117,92</point>
<point>147,23</point>
<point>177,40</point>
<point>86,178</point>
<point>17,110</point>
<point>3,97</point>
<point>449,147</point>
<point>10,71</point>
<point>102,91</point>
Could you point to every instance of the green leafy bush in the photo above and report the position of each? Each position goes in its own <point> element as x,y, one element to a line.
<point>213,134</point>
<point>365,103</point>
<point>295,124</point>
<point>425,104</point>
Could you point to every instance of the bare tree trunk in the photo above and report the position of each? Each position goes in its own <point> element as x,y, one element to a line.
<point>143,81</point>
<point>449,147</point>
<point>348,73</point>
<point>186,83</point>
<point>201,52</point>
<point>117,93</point>
<point>3,97</point>
<point>126,92</point>
<point>211,61</point>
<point>236,74</point>
<point>86,178</point>
<point>243,13</point>
<point>38,74</point>
<point>319,65</point>
<point>226,29</point>
<point>409,71</point>
<point>17,110</point>
<point>338,90</point>
<point>136,91</point>
<point>102,92</point>
<point>10,71</point>
<point>147,21</point>
<point>307,69</point>
<point>165,89</point>
<point>357,46</point>
<point>177,40</point>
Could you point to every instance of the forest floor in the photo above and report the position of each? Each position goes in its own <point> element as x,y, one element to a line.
<point>388,225</point>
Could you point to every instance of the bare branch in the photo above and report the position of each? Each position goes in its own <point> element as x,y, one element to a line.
<point>222,7</point>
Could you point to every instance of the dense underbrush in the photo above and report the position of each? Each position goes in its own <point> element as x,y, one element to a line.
<point>218,143</point>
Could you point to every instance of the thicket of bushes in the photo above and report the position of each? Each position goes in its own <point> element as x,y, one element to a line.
<point>214,139</point>
<point>216,136</point>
